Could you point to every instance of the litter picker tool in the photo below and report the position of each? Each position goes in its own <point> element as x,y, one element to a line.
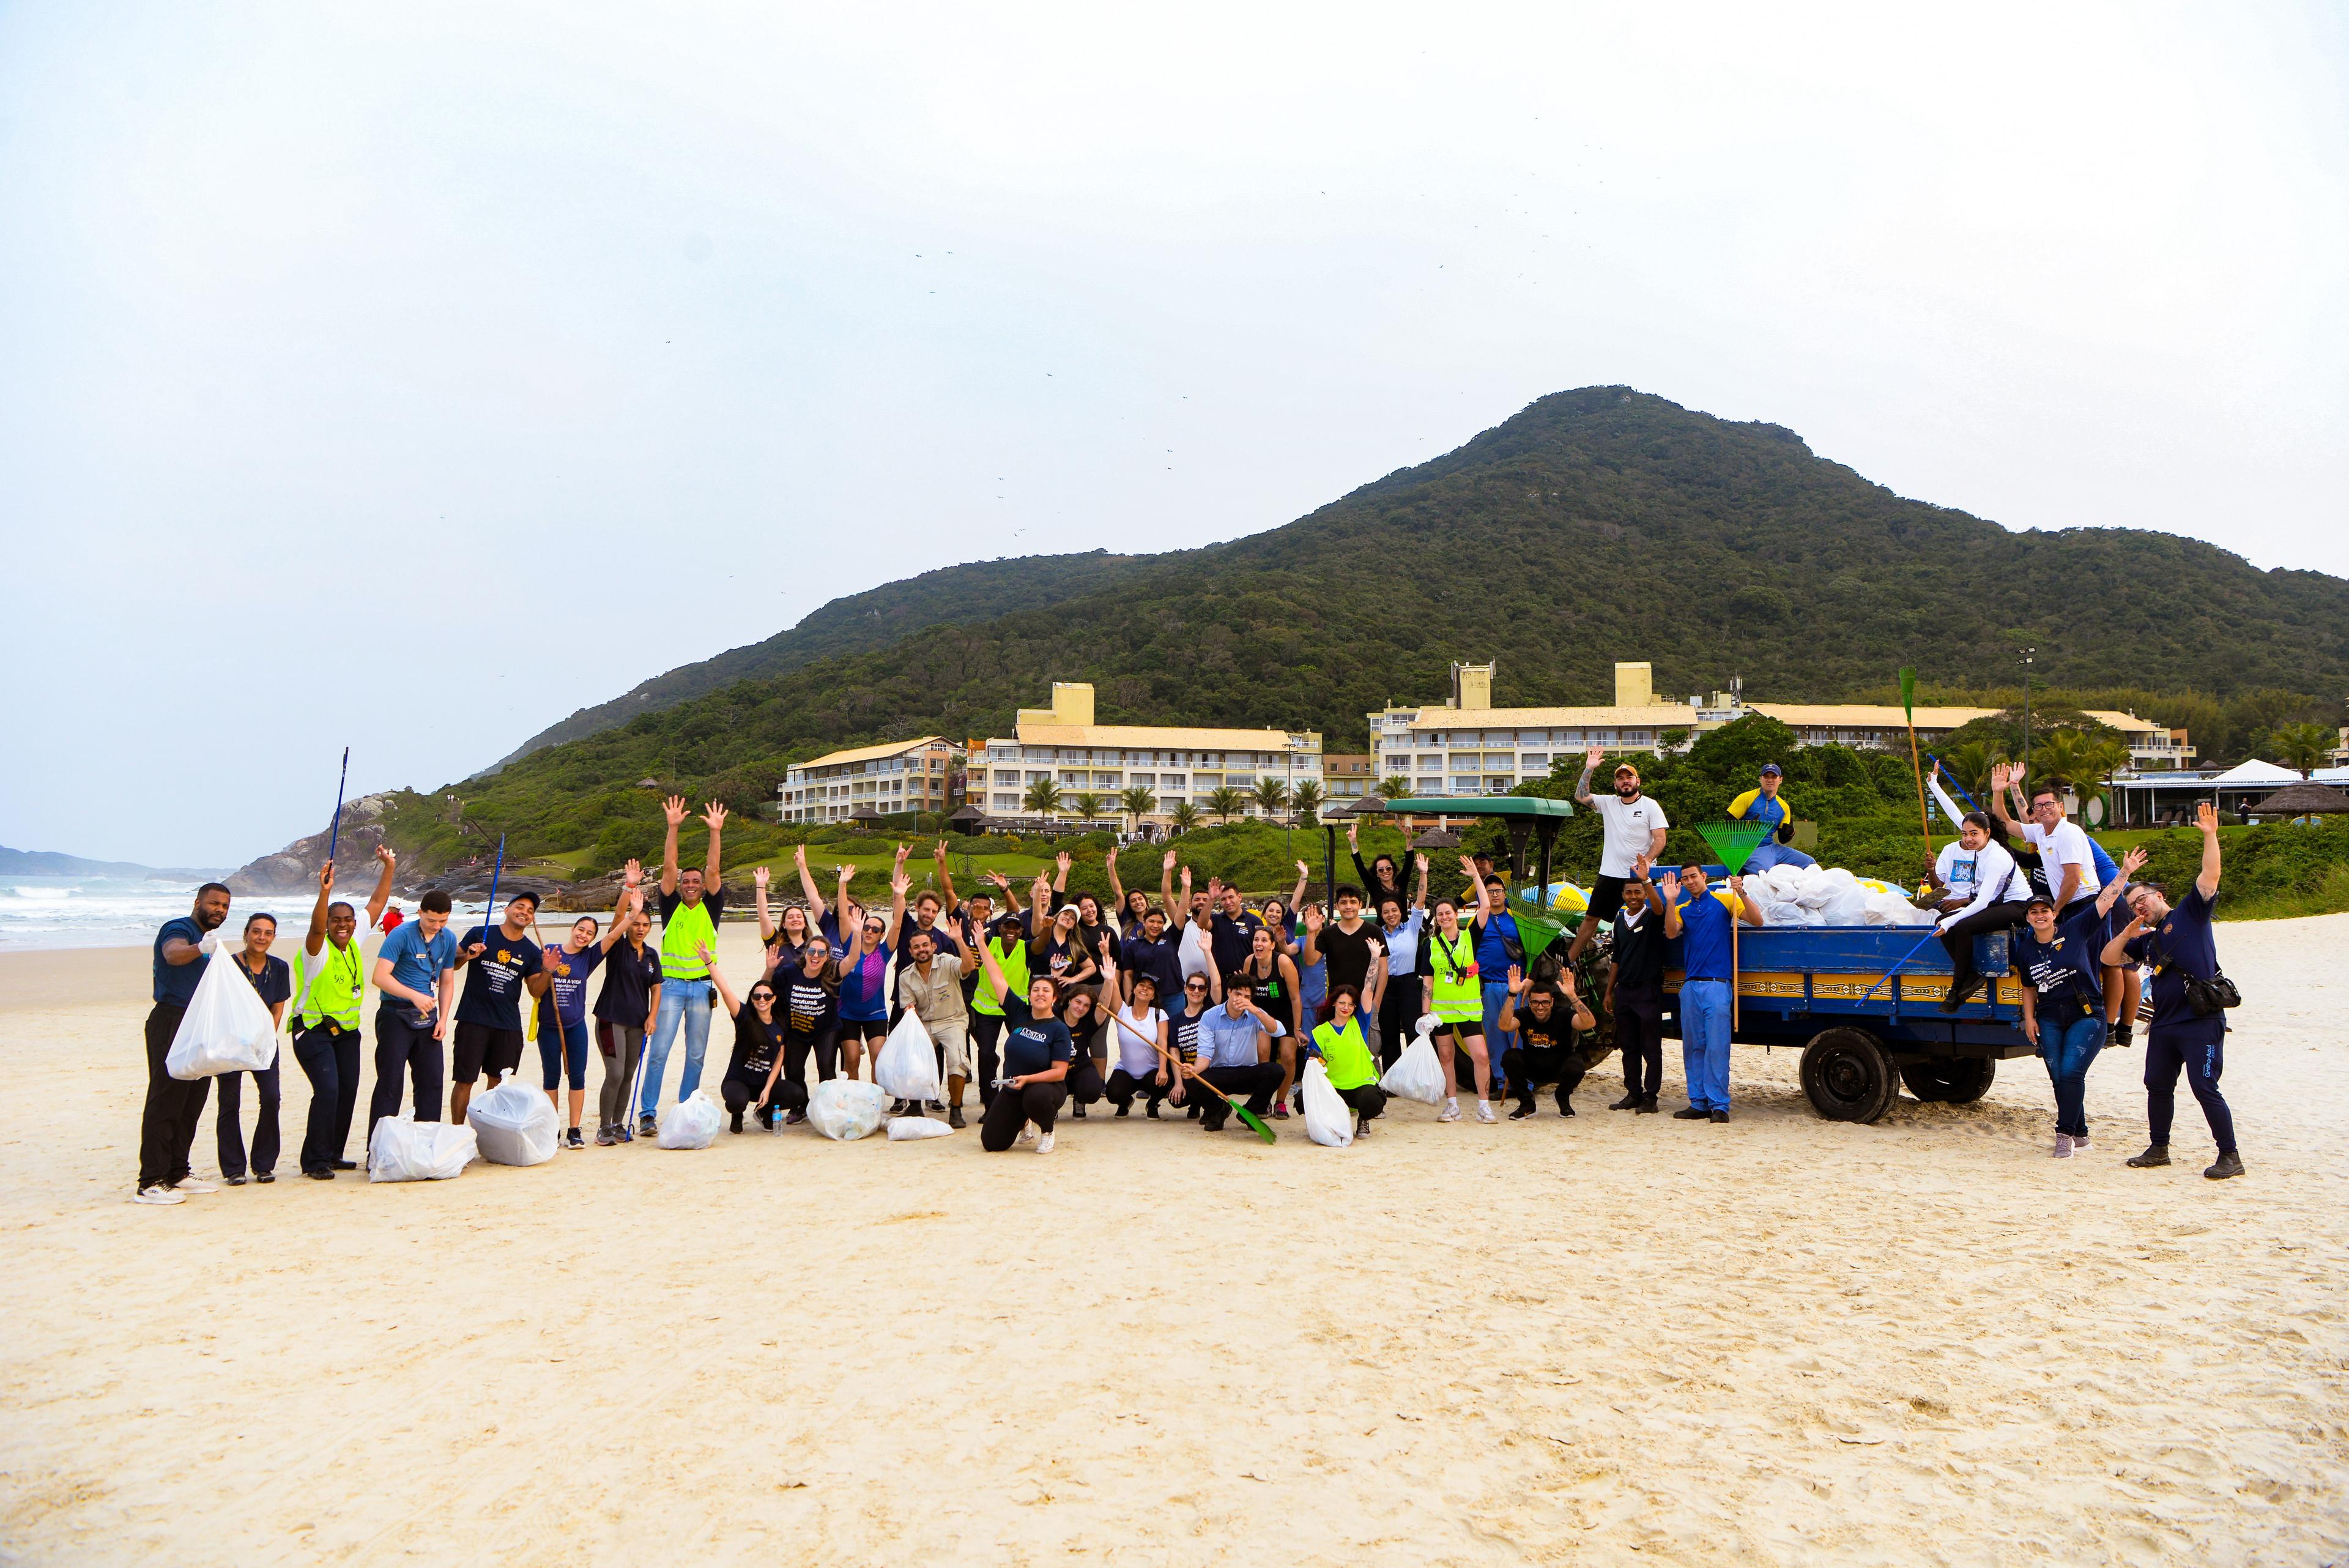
<point>495,872</point>
<point>1736,843</point>
<point>335,828</point>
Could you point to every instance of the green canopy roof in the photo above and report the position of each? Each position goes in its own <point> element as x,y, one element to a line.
<point>1526,806</point>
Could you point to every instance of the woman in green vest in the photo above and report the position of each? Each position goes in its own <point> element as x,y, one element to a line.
<point>329,979</point>
<point>1346,1055</point>
<point>1458,999</point>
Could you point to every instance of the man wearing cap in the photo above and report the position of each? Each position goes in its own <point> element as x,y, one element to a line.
<point>500,966</point>
<point>1763,805</point>
<point>1635,830</point>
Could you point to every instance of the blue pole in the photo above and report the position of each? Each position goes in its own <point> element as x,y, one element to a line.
<point>1954,784</point>
<point>496,873</point>
<point>1912,953</point>
<point>335,828</point>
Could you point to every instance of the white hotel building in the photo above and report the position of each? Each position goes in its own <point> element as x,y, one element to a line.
<point>1175,764</point>
<point>892,777</point>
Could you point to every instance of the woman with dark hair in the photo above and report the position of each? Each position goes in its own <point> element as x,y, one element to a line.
<point>1141,1031</point>
<point>1382,878</point>
<point>1037,1051</point>
<point>1101,946</point>
<point>1458,1000</point>
<point>783,935</point>
<point>1078,1015</point>
<point>1347,1056</point>
<point>1402,930</point>
<point>761,1031</point>
<point>809,994</point>
<point>1272,974</point>
<point>2058,961</point>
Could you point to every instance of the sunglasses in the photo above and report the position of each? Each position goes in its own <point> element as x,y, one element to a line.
<point>762,996</point>
<point>1195,985</point>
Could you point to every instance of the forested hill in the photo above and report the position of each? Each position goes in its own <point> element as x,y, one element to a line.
<point>980,590</point>
<point>1595,525</point>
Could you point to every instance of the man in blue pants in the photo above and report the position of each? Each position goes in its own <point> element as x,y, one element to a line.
<point>1699,922</point>
<point>692,902</point>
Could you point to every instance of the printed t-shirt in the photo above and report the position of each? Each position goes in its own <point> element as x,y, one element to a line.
<point>493,982</point>
<point>864,986</point>
<point>2066,969</point>
<point>2067,845</point>
<point>569,973</point>
<point>813,1006</point>
<point>1033,1045</point>
<point>755,1045</point>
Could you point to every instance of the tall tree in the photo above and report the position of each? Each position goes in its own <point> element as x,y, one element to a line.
<point>1138,803</point>
<point>1226,803</point>
<point>1042,798</point>
<point>1184,816</point>
<point>2301,747</point>
<point>1087,805</point>
<point>1271,795</point>
<point>1307,798</point>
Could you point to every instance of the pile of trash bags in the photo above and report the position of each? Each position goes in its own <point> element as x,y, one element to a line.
<point>1830,896</point>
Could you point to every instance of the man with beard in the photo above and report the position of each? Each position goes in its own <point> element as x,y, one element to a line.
<point>1635,829</point>
<point>1544,1020</point>
<point>167,1126</point>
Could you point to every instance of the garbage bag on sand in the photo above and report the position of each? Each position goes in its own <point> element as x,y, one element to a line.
<point>908,1063</point>
<point>1416,1073</point>
<point>515,1124</point>
<point>226,1028</point>
<point>402,1149</point>
<point>903,1129</point>
<point>1328,1120</point>
<point>690,1123</point>
<point>846,1109</point>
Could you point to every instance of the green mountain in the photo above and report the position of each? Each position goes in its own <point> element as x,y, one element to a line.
<point>980,590</point>
<point>1597,524</point>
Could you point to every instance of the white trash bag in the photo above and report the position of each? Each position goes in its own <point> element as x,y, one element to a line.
<point>1416,1073</point>
<point>515,1124</point>
<point>1329,1119</point>
<point>847,1109</point>
<point>908,1063</point>
<point>402,1149</point>
<point>1847,907</point>
<point>904,1129</point>
<point>226,1028</point>
<point>689,1123</point>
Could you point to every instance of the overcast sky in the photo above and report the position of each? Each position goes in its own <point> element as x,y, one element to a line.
<point>411,376</point>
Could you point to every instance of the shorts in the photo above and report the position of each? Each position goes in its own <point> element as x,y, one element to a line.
<point>1467,1029</point>
<point>1606,896</point>
<point>475,1049</point>
<point>863,1028</point>
<point>953,1039</point>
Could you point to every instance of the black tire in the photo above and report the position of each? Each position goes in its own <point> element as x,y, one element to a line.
<point>1847,1077</point>
<point>1951,1080</point>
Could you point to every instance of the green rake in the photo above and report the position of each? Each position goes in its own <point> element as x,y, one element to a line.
<point>1736,843</point>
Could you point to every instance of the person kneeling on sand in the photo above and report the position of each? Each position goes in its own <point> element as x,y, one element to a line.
<point>1036,1051</point>
<point>1345,1053</point>
<point>760,1028</point>
<point>1236,1053</point>
<point>1544,1019</point>
<point>1140,1031</point>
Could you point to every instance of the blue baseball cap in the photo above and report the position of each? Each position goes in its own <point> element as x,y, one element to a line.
<point>1769,769</point>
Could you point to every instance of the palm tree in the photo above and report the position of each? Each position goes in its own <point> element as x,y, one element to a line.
<point>1308,801</point>
<point>1138,803</point>
<point>1184,816</point>
<point>1394,787</point>
<point>1271,795</point>
<point>1226,802</point>
<point>1088,805</point>
<point>2303,748</point>
<point>1970,764</point>
<point>2063,758</point>
<point>1042,798</point>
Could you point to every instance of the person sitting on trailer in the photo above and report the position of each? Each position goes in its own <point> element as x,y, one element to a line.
<point>1700,924</point>
<point>1983,890</point>
<point>1764,804</point>
<point>1544,1019</point>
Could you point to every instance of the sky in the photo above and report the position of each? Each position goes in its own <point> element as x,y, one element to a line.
<point>407,377</point>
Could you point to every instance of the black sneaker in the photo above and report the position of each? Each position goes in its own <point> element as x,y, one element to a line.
<point>2155,1154</point>
<point>1125,1109</point>
<point>236,1180</point>
<point>2229,1164</point>
<point>2121,1032</point>
<point>1192,1112</point>
<point>621,1134</point>
<point>264,1177</point>
<point>1525,1108</point>
<point>1564,1106</point>
<point>954,1117</point>
<point>1078,1111</point>
<point>319,1175</point>
<point>896,1108</point>
<point>648,1127</point>
<point>738,1120</point>
<point>1648,1106</point>
<point>573,1140</point>
<point>1691,1114</point>
<point>605,1138</point>
<point>347,1165</point>
<point>1721,1115</point>
<point>1627,1102</point>
<point>1151,1110</point>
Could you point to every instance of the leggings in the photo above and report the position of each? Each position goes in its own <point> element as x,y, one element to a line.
<point>1639,1034</point>
<point>986,1032</point>
<point>1959,940</point>
<point>741,1092</point>
<point>1037,1102</point>
<point>1125,1087</point>
<point>401,1047</point>
<point>558,1049</point>
<point>2202,1060</point>
<point>1367,1099</point>
<point>1084,1081</point>
<point>825,1043</point>
<point>1399,1008</point>
<point>620,1045</point>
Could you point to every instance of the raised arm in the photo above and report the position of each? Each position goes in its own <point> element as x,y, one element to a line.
<point>2206,819</point>
<point>1040,903</point>
<point>897,885</point>
<point>1475,891</point>
<point>714,814</point>
<point>1669,885</point>
<point>2001,775</point>
<point>1313,936</point>
<point>1748,909</point>
<point>1941,798</point>
<point>631,899</point>
<point>1304,876</point>
<point>1419,870</point>
<point>759,901</point>
<point>852,933</point>
<point>673,813</point>
<point>1061,864</point>
<point>2131,864</point>
<point>725,991</point>
<point>1116,888</point>
<point>1174,912</point>
<point>946,876</point>
<point>814,894</point>
<point>382,897</point>
<point>1590,761</point>
<point>314,940</point>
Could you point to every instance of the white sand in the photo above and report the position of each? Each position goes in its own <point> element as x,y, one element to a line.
<point>1616,1338</point>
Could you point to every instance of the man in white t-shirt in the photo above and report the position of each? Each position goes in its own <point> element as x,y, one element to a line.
<point>1635,830</point>
<point>2064,857</point>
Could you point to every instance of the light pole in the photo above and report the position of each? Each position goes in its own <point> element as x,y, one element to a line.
<point>2029,656</point>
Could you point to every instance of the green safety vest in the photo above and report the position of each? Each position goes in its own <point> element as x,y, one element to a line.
<point>1459,996</point>
<point>335,990</point>
<point>688,928</point>
<point>1014,970</point>
<point>1346,1055</point>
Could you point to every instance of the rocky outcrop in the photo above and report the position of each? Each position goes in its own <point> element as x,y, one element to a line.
<point>294,868</point>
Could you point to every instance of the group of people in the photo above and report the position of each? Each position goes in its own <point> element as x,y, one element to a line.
<point>1191,1000</point>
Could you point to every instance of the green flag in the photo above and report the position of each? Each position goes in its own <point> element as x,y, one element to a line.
<point>1909,694</point>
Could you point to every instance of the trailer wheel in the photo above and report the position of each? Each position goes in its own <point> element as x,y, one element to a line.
<point>1848,1075</point>
<point>1951,1080</point>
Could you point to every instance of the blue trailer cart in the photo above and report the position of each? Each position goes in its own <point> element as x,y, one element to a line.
<point>1868,1022</point>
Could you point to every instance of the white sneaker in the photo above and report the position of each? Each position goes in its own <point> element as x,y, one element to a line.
<point>1484,1110</point>
<point>157,1193</point>
<point>193,1184</point>
<point>1450,1113</point>
<point>1026,1131</point>
<point>2063,1145</point>
<point>1044,1143</point>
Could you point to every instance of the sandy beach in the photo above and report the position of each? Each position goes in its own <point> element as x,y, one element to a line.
<point>1612,1339</point>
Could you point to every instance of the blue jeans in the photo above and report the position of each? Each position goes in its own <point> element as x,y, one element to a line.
<point>1705,1043</point>
<point>685,1002</point>
<point>1496,994</point>
<point>1773,853</point>
<point>2067,1049</point>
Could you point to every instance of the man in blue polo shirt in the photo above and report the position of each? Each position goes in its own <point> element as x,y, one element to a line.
<point>167,1126</point>
<point>1698,921</point>
<point>1762,803</point>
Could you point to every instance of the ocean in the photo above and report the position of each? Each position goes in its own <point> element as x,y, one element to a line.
<point>115,911</point>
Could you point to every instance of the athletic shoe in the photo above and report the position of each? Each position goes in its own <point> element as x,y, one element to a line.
<point>1125,1109</point>
<point>896,1108</point>
<point>1361,1127</point>
<point>795,1119</point>
<point>1044,1143</point>
<point>933,1104</point>
<point>192,1184</point>
<point>1280,1112</point>
<point>1525,1108</point>
<point>2155,1154</point>
<point>648,1127</point>
<point>236,1181</point>
<point>622,1135</point>
<point>1691,1114</point>
<point>1450,1113</point>
<point>319,1175</point>
<point>2079,1143</point>
<point>1648,1105</point>
<point>1026,1131</point>
<point>1484,1112</point>
<point>2121,1032</point>
<point>159,1193</point>
<point>2229,1164</point>
<point>1719,1115</point>
<point>347,1165</point>
<point>572,1139</point>
<point>2063,1145</point>
<point>1078,1111</point>
<point>264,1177</point>
<point>954,1117</point>
<point>604,1138</point>
<point>1564,1106</point>
<point>1192,1112</point>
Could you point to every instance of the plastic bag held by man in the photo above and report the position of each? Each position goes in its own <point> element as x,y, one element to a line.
<point>689,1123</point>
<point>515,1124</point>
<point>1416,1073</point>
<point>402,1149</point>
<point>227,1029</point>
<point>845,1109</point>
<point>908,1063</point>
<point>1328,1120</point>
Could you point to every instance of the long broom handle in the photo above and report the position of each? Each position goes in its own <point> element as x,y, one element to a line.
<point>335,828</point>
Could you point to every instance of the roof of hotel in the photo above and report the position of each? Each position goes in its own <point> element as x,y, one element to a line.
<point>1866,715</point>
<point>1151,737</point>
<point>1551,718</point>
<point>867,753</point>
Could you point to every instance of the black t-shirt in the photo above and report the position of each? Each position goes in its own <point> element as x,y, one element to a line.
<point>1105,944</point>
<point>714,901</point>
<point>1349,956</point>
<point>1183,1036</point>
<point>812,1006</point>
<point>2180,946</point>
<point>1543,1035</point>
<point>755,1045</point>
<point>629,977</point>
<point>1033,1045</point>
<point>1274,993</point>
<point>1232,940</point>
<point>1050,957</point>
<point>1640,952</point>
<point>493,982</point>
<point>1162,961</point>
<point>275,982</point>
